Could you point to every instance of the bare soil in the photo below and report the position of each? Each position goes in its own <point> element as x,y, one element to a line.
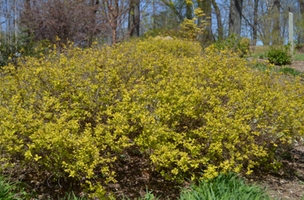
<point>297,65</point>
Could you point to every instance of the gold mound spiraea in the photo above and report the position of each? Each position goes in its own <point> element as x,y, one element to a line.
<point>73,114</point>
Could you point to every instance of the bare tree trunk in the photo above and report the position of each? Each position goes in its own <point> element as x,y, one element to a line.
<point>235,16</point>
<point>276,23</point>
<point>16,41</point>
<point>28,7</point>
<point>6,25</point>
<point>10,29</point>
<point>114,21</point>
<point>201,18</point>
<point>267,37</point>
<point>154,18</point>
<point>219,19</point>
<point>301,3</point>
<point>255,22</point>
<point>94,4</point>
<point>208,20</point>
<point>0,23</point>
<point>134,18</point>
<point>205,6</point>
<point>114,35</point>
<point>188,11</point>
<point>0,27</point>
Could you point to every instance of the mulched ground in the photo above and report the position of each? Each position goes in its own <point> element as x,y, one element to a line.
<point>288,182</point>
<point>134,176</point>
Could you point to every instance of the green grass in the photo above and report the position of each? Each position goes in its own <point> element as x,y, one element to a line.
<point>290,71</point>
<point>284,70</point>
<point>299,57</point>
<point>224,187</point>
<point>16,191</point>
<point>261,56</point>
<point>12,190</point>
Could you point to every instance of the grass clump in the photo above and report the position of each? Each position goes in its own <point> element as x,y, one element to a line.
<point>224,187</point>
<point>299,57</point>
<point>12,190</point>
<point>16,191</point>
<point>290,71</point>
<point>73,114</point>
<point>260,56</point>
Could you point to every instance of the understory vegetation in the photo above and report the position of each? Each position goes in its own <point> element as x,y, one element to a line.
<point>194,114</point>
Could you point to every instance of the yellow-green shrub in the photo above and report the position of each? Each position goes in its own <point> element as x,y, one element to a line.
<point>173,32</point>
<point>234,43</point>
<point>73,114</point>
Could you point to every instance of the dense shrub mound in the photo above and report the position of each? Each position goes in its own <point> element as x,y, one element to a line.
<point>73,114</point>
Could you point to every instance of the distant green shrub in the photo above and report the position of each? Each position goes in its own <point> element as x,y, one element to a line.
<point>279,55</point>
<point>299,47</point>
<point>235,43</point>
<point>10,52</point>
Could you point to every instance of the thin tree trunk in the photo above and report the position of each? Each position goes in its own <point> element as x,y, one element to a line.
<point>16,41</point>
<point>94,4</point>
<point>114,35</point>
<point>7,25</point>
<point>0,22</point>
<point>114,22</point>
<point>201,18</point>
<point>188,11</point>
<point>154,17</point>
<point>219,19</point>
<point>267,37</point>
<point>28,8</point>
<point>208,20</point>
<point>134,18</point>
<point>0,28</point>
<point>301,3</point>
<point>276,23</point>
<point>10,29</point>
<point>255,22</point>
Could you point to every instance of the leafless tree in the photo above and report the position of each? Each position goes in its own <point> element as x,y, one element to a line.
<point>69,20</point>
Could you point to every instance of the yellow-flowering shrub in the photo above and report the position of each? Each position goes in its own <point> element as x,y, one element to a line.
<point>73,114</point>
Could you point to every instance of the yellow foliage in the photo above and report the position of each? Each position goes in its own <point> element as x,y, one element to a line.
<point>189,28</point>
<point>74,113</point>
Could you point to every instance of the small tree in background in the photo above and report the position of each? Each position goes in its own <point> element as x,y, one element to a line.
<point>70,20</point>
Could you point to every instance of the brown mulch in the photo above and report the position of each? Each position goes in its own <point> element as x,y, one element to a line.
<point>288,182</point>
<point>134,176</point>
